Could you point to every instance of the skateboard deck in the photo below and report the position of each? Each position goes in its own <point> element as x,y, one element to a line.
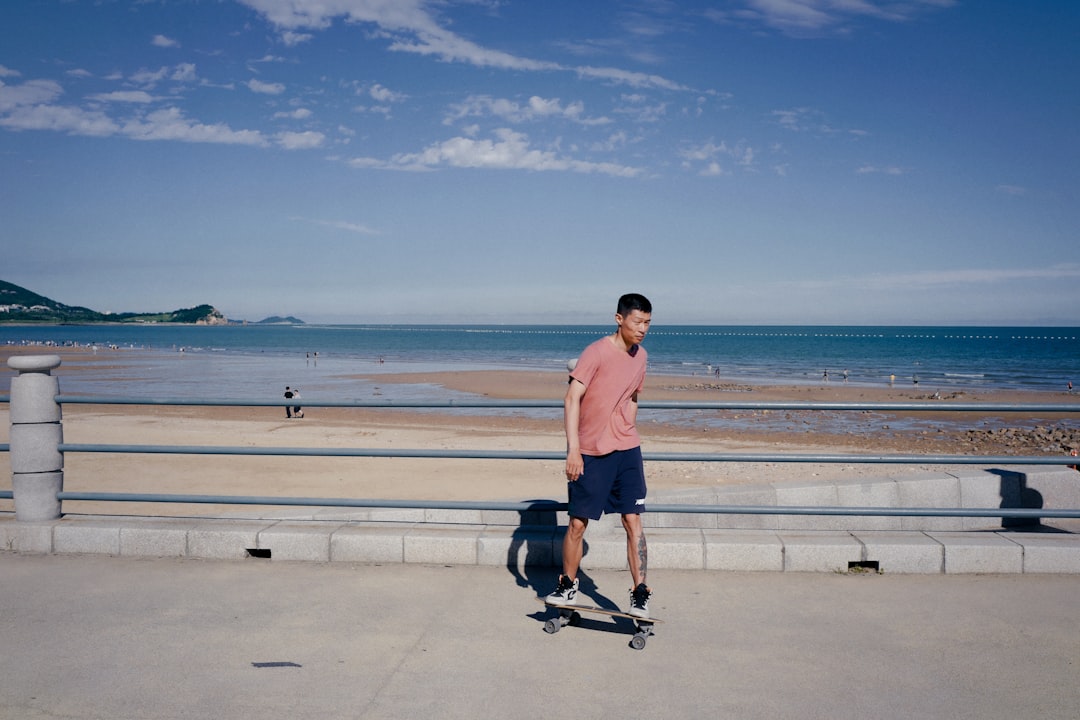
<point>570,615</point>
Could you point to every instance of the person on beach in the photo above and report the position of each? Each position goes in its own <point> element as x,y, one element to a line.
<point>604,469</point>
<point>292,411</point>
<point>297,412</point>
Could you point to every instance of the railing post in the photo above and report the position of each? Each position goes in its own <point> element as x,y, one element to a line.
<point>37,465</point>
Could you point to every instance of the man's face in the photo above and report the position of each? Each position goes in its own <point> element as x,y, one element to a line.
<point>634,326</point>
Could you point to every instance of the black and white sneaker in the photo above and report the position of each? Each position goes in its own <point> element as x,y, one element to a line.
<point>565,593</point>
<point>639,601</point>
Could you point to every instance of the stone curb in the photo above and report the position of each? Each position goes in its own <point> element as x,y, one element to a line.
<point>763,543</point>
<point>834,551</point>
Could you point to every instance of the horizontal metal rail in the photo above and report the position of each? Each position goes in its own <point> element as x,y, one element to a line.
<point>533,506</point>
<point>530,506</point>
<point>940,406</point>
<point>467,403</point>
<point>553,506</point>
<point>555,455</point>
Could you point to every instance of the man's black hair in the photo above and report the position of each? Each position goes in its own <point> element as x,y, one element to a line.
<point>630,302</point>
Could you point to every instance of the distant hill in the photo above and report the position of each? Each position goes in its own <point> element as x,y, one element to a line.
<point>277,320</point>
<point>19,305</point>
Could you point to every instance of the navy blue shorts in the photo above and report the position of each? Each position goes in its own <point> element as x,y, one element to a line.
<point>612,483</point>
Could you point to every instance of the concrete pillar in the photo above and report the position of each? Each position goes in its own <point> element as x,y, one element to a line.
<point>37,465</point>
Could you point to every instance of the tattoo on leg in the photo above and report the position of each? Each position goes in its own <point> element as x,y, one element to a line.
<point>643,556</point>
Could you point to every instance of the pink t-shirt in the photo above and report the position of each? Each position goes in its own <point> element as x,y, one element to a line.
<point>611,377</point>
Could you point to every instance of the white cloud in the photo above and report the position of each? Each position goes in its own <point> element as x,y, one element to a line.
<point>711,170</point>
<point>124,96</point>
<point>740,153</point>
<point>29,106</point>
<point>615,141</point>
<point>626,77</point>
<point>184,72</point>
<point>816,17</point>
<point>300,140</point>
<point>876,170</point>
<point>8,72</point>
<point>411,28</point>
<point>638,108</point>
<point>703,152</point>
<point>508,150</point>
<point>800,119</point>
<point>365,162</point>
<point>409,25</point>
<point>318,15</point>
<point>292,39</point>
<point>385,95</point>
<point>32,92</point>
<point>170,124</point>
<point>257,86</point>
<point>164,42</point>
<point>297,114</point>
<point>150,78</point>
<point>71,120</point>
<point>451,48</point>
<point>536,108</point>
<point>357,228</point>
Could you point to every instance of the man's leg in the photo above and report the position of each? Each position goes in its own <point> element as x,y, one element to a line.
<point>574,546</point>
<point>637,553</point>
<point>637,550</point>
<point>573,549</point>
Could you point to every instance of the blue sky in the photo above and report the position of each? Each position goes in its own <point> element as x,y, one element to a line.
<point>739,161</point>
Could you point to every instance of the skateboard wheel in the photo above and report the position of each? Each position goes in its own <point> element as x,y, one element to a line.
<point>552,626</point>
<point>575,619</point>
<point>638,642</point>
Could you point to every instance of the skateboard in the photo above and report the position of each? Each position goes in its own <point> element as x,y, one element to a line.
<point>571,615</point>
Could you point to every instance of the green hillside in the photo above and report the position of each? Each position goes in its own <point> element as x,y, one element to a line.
<point>19,305</point>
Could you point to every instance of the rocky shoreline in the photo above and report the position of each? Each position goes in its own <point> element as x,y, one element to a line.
<point>1041,440</point>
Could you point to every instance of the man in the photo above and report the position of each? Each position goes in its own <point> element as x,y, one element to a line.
<point>603,451</point>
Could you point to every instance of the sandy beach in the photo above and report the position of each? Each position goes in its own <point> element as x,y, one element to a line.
<point>940,432</point>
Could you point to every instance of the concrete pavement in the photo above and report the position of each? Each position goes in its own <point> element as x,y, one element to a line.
<point>95,636</point>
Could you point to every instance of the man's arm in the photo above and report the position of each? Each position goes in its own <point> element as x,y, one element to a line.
<point>571,420</point>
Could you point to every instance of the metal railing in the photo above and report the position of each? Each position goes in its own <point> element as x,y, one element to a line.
<point>62,448</point>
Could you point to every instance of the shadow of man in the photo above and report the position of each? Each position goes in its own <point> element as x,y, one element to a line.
<point>534,534</point>
<point>539,566</point>
<point>1015,494</point>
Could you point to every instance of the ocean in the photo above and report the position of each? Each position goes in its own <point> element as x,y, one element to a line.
<point>251,361</point>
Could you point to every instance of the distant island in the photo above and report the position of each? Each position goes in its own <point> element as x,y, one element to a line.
<point>276,320</point>
<point>19,305</point>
